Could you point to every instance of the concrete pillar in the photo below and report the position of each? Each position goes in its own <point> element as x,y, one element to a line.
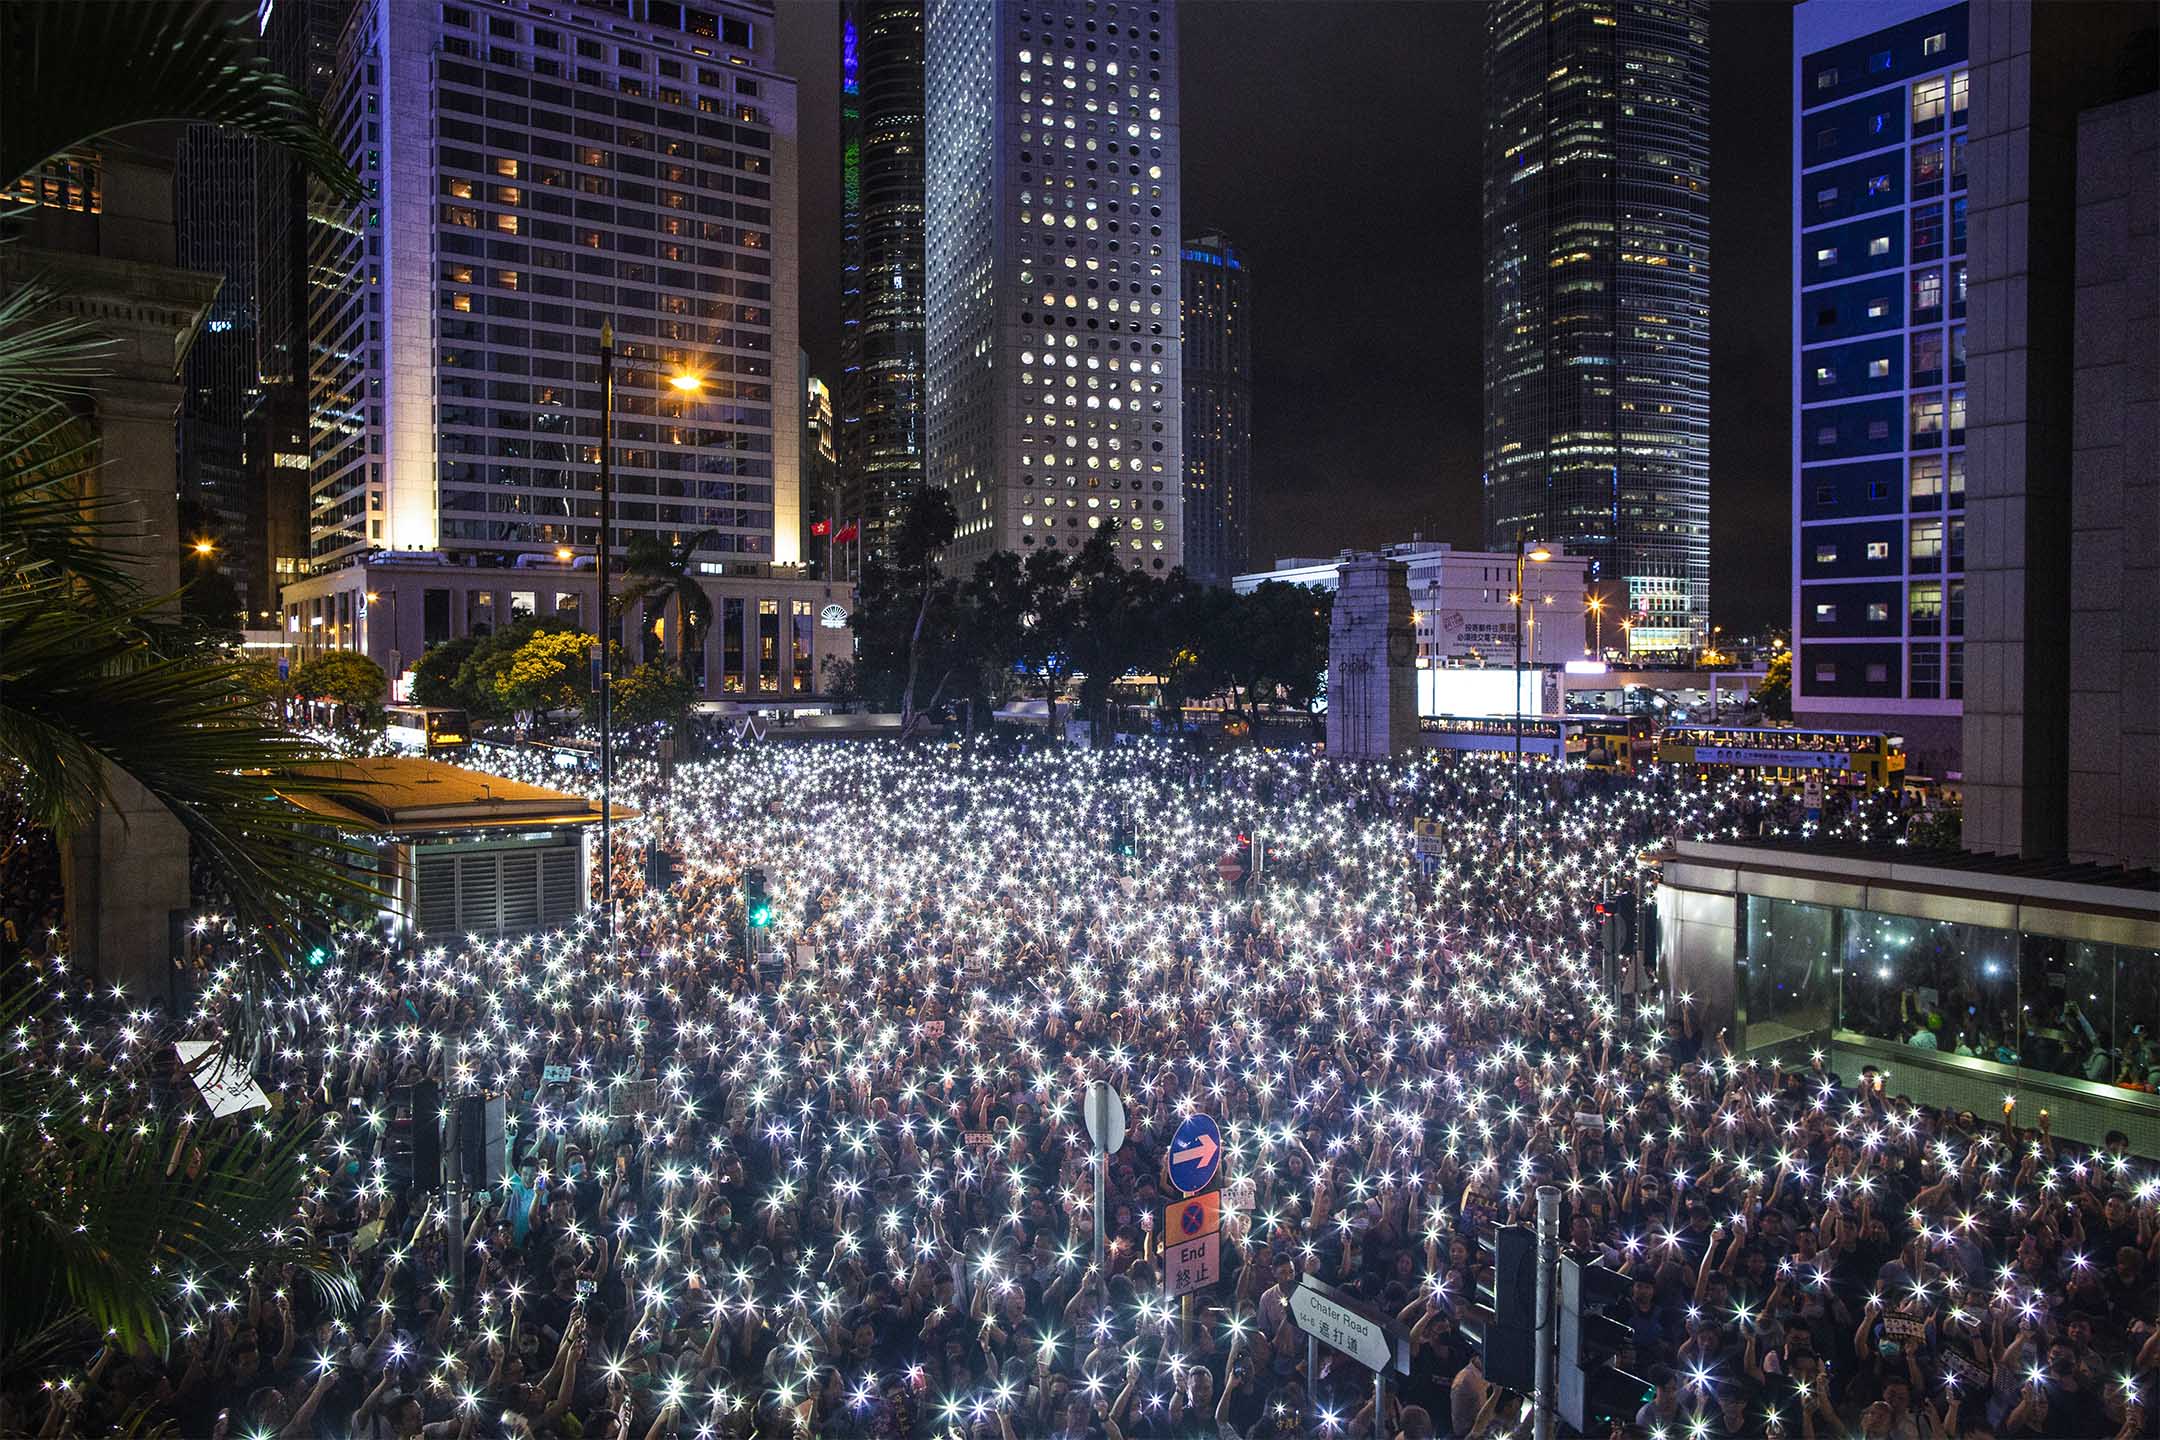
<point>1372,662</point>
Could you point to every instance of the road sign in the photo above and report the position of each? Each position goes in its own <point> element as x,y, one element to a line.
<point>1192,1265</point>
<point>1192,1217</point>
<point>1195,1154</point>
<point>1231,869</point>
<point>1104,1112</point>
<point>1329,1317</point>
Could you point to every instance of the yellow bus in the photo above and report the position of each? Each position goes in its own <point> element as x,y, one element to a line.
<point>1615,743</point>
<point>1869,758</point>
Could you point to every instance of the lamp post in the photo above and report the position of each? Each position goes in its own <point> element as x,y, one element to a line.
<point>1597,617</point>
<point>600,627</point>
<point>1522,553</point>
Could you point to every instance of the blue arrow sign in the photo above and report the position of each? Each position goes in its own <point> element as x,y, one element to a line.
<point>1195,1154</point>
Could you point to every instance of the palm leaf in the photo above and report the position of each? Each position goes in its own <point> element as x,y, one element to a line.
<point>78,72</point>
<point>98,1231</point>
<point>44,360</point>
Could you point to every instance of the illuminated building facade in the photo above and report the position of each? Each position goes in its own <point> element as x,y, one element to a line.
<point>1597,298</point>
<point>1052,274</point>
<point>1879,414</point>
<point>534,173</point>
<point>879,405</point>
<point>1218,408</point>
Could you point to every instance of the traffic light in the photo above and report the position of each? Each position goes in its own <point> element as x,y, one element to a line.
<point>1616,925</point>
<point>757,901</point>
<point>1511,1335</point>
<point>1593,1391</point>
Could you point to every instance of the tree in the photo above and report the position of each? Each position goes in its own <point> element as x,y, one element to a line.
<point>1774,695</point>
<point>1273,641</point>
<point>654,570</point>
<point>1110,606</point>
<point>93,688</point>
<point>651,694</point>
<point>907,614</point>
<point>344,678</point>
<point>479,677</point>
<point>550,671</point>
<point>435,675</point>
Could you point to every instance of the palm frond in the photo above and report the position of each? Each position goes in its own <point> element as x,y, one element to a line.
<point>44,360</point>
<point>78,72</point>
<point>50,526</point>
<point>104,1223</point>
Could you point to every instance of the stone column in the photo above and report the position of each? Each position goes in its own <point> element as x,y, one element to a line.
<point>1372,662</point>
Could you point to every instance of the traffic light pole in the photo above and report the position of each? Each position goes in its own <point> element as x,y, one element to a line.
<point>1545,1397</point>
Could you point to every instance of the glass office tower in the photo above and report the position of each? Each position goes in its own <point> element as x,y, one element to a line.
<point>1597,298</point>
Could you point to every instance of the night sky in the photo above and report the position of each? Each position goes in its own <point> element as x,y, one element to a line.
<point>1337,144</point>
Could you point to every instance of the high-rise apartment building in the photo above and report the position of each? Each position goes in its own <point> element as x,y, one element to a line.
<point>879,409</point>
<point>1597,298</point>
<point>536,172</point>
<point>1881,96</point>
<point>1218,408</point>
<point>1051,284</point>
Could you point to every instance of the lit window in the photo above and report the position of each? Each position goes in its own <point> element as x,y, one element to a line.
<point>1878,307</point>
<point>1826,612</point>
<point>1927,539</point>
<point>1826,78</point>
<point>1878,673</point>
<point>1878,612</point>
<point>1826,673</point>
<point>1880,245</point>
<point>1824,375</point>
<point>1927,101</point>
<point>1878,369</point>
<point>1878,62</point>
<point>1878,549</point>
<point>1878,185</point>
<point>1826,554</point>
<point>1934,44</point>
<point>1927,477</point>
<point>1827,255</point>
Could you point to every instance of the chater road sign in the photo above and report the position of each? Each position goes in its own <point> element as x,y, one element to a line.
<point>1330,1317</point>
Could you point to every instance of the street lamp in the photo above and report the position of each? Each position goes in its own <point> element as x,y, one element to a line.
<point>1597,614</point>
<point>205,547</point>
<point>1540,554</point>
<point>600,627</point>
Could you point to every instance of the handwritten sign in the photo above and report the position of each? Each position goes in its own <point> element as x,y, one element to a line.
<point>555,1075</point>
<point>226,1088</point>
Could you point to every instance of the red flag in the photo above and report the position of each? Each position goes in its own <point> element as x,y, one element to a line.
<point>847,532</point>
<point>820,527</point>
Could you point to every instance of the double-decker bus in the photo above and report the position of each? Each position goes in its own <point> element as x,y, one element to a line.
<point>1617,743</point>
<point>427,729</point>
<point>1868,758</point>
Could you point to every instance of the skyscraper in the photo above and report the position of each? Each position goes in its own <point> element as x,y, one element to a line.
<point>536,172</point>
<point>1218,409</point>
<point>1597,298</point>
<point>879,415</point>
<point>1880,102</point>
<point>1051,274</point>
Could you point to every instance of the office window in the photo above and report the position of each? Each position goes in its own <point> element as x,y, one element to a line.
<point>1825,375</point>
<point>801,626</point>
<point>1926,672</point>
<point>1927,168</point>
<point>1927,232</point>
<point>1878,549</point>
<point>1878,612</point>
<point>768,644</point>
<point>1878,62</point>
<point>1957,477</point>
<point>1880,245</point>
<point>1927,101</point>
<point>1826,196</point>
<point>1957,542</point>
<point>1826,435</point>
<point>1826,494</point>
<point>1955,689</point>
<point>1927,541</point>
<point>1826,554</point>
<point>1955,609</point>
<point>1826,672</point>
<point>1927,357</point>
<point>1825,612</point>
<point>1878,368</point>
<point>1927,286</point>
<point>1960,88</point>
<point>1878,673</point>
<point>1957,417</point>
<point>1826,78</point>
<point>1934,44</point>
<point>731,645</point>
<point>1878,489</point>
<point>1924,602</point>
<point>1927,476</point>
<point>1878,185</point>
<point>1878,307</point>
<point>1878,429</point>
<point>1927,418</point>
<point>1826,255</point>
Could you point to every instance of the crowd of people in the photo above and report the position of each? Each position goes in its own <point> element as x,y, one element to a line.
<point>830,1177</point>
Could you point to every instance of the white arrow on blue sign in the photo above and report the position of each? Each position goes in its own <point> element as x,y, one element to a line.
<point>1195,1154</point>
